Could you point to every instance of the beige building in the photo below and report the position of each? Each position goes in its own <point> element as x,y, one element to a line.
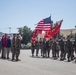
<point>66,32</point>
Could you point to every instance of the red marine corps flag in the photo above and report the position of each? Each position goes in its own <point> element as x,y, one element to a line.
<point>56,29</point>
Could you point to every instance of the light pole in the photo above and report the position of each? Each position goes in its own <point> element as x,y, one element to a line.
<point>9,30</point>
<point>75,26</point>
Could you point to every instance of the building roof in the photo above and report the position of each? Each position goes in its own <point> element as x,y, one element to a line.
<point>66,32</point>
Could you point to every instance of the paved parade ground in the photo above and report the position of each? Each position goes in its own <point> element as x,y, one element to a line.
<point>36,66</point>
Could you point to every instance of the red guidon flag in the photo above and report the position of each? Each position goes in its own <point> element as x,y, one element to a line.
<point>57,27</point>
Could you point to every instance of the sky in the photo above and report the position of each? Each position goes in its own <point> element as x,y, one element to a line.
<point>20,13</point>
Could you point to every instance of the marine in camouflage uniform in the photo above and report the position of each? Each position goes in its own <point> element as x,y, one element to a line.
<point>75,47</point>
<point>13,47</point>
<point>40,42</point>
<point>0,45</point>
<point>57,48</point>
<point>54,48</point>
<point>32,48</point>
<point>69,49</point>
<point>37,47</point>
<point>18,46</point>
<point>48,46</point>
<point>44,47</point>
<point>61,43</point>
<point>75,43</point>
<point>72,54</point>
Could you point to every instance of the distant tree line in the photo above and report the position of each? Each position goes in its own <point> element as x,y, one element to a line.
<point>27,33</point>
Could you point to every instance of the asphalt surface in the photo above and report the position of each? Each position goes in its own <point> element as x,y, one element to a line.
<point>29,65</point>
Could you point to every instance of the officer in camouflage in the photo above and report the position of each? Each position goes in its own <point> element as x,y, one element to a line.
<point>13,47</point>
<point>62,55</point>
<point>40,42</point>
<point>18,46</point>
<point>75,46</point>
<point>48,46</point>
<point>37,46</point>
<point>32,48</point>
<point>69,48</point>
<point>44,47</point>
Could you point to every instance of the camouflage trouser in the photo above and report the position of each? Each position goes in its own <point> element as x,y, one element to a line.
<point>13,52</point>
<point>70,53</point>
<point>41,48</point>
<point>62,53</point>
<point>53,52</point>
<point>37,50</point>
<point>48,51</point>
<point>32,50</point>
<point>57,53</point>
<point>44,51</point>
<point>17,53</point>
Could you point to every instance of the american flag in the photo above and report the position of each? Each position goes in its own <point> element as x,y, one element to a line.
<point>45,24</point>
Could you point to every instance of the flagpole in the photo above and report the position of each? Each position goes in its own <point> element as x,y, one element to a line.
<point>50,16</point>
